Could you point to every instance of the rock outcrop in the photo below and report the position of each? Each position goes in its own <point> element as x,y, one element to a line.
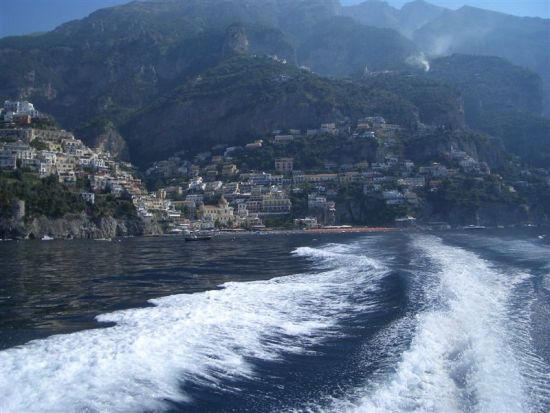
<point>78,227</point>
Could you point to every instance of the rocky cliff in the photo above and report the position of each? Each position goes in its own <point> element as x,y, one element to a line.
<point>77,227</point>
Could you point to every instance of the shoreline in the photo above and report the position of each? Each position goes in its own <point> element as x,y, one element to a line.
<point>280,231</point>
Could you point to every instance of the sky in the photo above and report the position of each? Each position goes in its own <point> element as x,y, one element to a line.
<point>30,16</point>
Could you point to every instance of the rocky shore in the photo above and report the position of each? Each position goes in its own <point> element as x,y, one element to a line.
<point>78,227</point>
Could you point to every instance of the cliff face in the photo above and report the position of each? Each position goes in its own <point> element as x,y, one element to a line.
<point>245,98</point>
<point>105,136</point>
<point>340,47</point>
<point>437,145</point>
<point>487,213</point>
<point>468,30</point>
<point>78,227</point>
<point>371,212</point>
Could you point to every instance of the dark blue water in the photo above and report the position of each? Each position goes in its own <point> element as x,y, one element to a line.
<point>443,322</point>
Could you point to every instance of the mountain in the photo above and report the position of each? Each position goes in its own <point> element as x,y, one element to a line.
<point>524,41</point>
<point>93,74</point>
<point>489,84</point>
<point>501,99</point>
<point>375,13</point>
<point>340,46</point>
<point>436,103</point>
<point>110,76</point>
<point>244,98</point>
<point>96,71</point>
<point>406,20</point>
<point>417,13</point>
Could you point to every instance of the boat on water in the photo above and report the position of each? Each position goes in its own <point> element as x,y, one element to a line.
<point>47,238</point>
<point>192,238</point>
<point>474,227</point>
<point>198,236</point>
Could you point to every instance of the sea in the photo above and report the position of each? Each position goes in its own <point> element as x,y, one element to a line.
<point>391,322</point>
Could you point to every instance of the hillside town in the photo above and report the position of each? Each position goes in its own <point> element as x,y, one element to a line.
<point>223,188</point>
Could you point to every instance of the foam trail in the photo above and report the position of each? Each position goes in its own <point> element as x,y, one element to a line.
<point>463,355</point>
<point>206,339</point>
<point>522,250</point>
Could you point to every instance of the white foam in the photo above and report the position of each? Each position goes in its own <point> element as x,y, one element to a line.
<point>527,250</point>
<point>205,338</point>
<point>462,356</point>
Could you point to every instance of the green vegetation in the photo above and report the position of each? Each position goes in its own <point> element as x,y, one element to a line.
<point>523,133</point>
<point>358,208</point>
<point>467,194</point>
<point>164,74</point>
<point>279,222</point>
<point>47,197</point>
<point>42,196</point>
<point>39,145</point>
<point>435,102</point>
<point>310,153</point>
<point>108,205</point>
<point>341,46</point>
<point>244,98</point>
<point>500,99</point>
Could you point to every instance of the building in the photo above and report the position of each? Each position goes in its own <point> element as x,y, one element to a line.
<point>307,223</point>
<point>52,135</point>
<point>414,182</point>
<point>229,170</point>
<point>88,197</point>
<point>221,213</point>
<point>25,135</point>
<point>276,203</point>
<point>255,145</point>
<point>258,178</point>
<point>316,202</point>
<point>67,178</point>
<point>8,161</point>
<point>283,139</point>
<point>314,178</point>
<point>393,197</point>
<point>17,107</point>
<point>65,164</point>
<point>329,128</point>
<point>436,170</point>
<point>350,177</point>
<point>284,165</point>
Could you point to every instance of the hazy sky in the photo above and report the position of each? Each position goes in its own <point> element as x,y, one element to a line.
<point>29,16</point>
<point>537,8</point>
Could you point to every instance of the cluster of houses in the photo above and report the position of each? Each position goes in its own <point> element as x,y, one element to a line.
<point>20,113</point>
<point>48,151</point>
<point>212,191</point>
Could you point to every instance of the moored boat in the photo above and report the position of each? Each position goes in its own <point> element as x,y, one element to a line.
<point>192,238</point>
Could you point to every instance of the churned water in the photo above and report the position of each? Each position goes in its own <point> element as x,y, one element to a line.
<point>404,322</point>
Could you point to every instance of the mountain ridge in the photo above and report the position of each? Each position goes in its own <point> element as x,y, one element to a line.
<point>97,74</point>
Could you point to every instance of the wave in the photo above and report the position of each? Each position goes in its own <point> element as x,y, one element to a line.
<point>471,350</point>
<point>208,339</point>
<point>529,251</point>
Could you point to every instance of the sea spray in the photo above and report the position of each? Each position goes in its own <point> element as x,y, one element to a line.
<point>206,339</point>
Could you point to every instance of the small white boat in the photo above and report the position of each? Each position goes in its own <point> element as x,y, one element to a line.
<point>47,238</point>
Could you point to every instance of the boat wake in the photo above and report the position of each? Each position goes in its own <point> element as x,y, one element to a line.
<point>150,355</point>
<point>471,350</point>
